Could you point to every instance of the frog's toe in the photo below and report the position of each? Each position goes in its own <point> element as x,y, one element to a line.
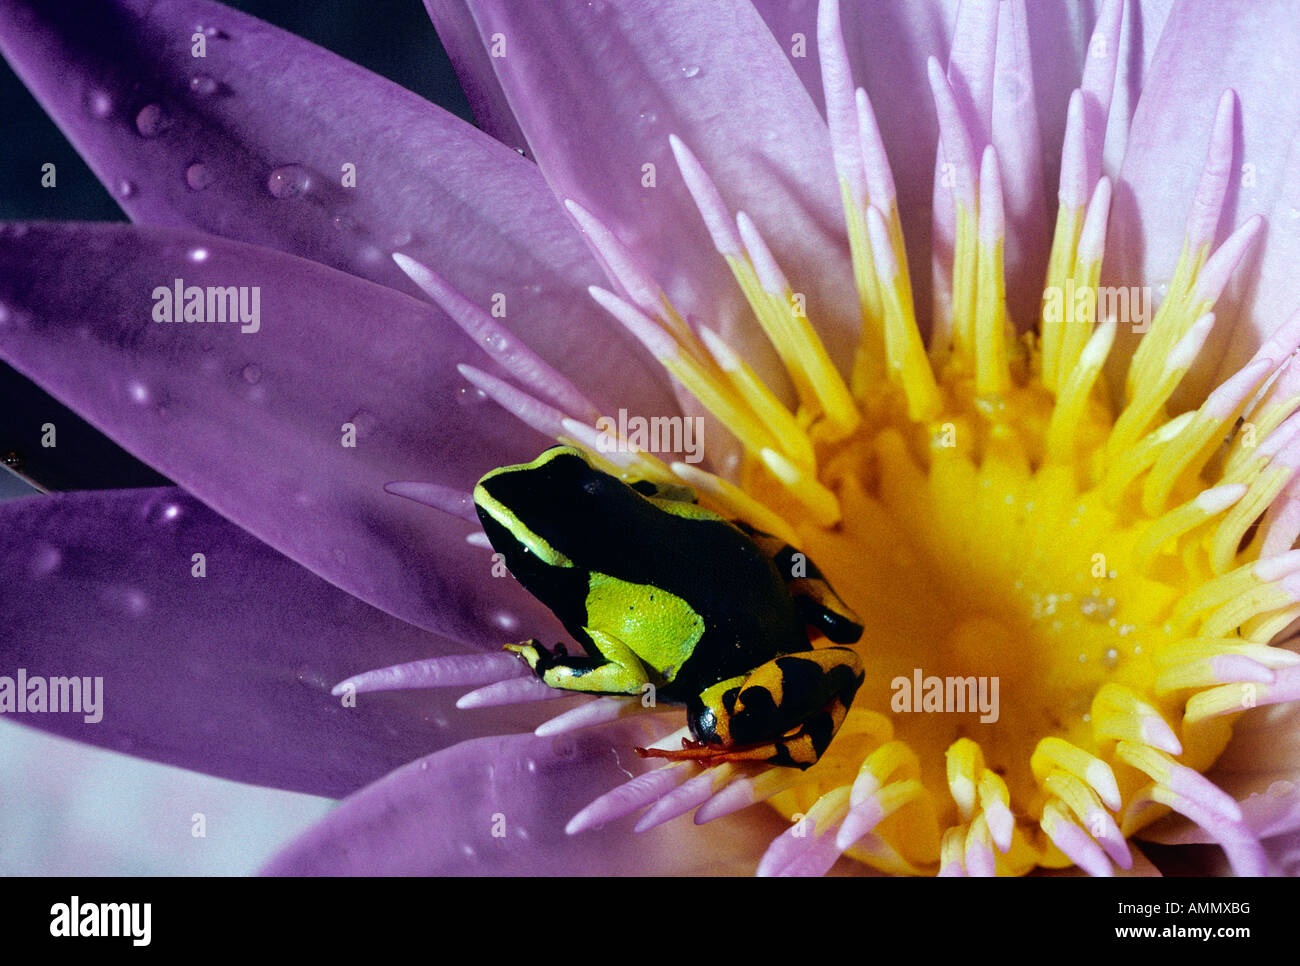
<point>531,653</point>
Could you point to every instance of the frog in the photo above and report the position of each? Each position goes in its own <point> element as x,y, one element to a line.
<point>663,593</point>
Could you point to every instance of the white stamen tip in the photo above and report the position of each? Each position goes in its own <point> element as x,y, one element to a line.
<point>1185,351</point>
<point>769,273</point>
<point>707,199</point>
<point>1219,498</point>
<point>647,331</point>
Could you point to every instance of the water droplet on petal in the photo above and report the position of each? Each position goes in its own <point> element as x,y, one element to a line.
<point>99,104</point>
<point>252,373</point>
<point>45,560</point>
<point>647,116</point>
<point>203,84</point>
<point>198,176</point>
<point>506,621</point>
<point>521,152</point>
<point>289,181</point>
<point>197,255</point>
<point>127,600</point>
<point>470,396</point>
<point>365,421</point>
<point>344,223</point>
<point>151,121</point>
<point>691,70</point>
<point>125,188</point>
<point>402,238</point>
<point>139,392</point>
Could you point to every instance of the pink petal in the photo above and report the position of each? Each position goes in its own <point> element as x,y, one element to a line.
<point>713,75</point>
<point>1207,48</point>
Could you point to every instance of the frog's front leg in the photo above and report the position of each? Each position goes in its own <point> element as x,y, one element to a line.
<point>616,671</point>
<point>785,712</point>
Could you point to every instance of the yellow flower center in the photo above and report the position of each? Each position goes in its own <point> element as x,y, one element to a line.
<point>1068,588</point>
<point>1063,595</point>
<point>1007,599</point>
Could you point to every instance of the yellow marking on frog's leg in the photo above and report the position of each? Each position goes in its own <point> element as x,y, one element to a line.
<point>529,650</point>
<point>616,671</point>
<point>651,623</point>
<point>785,712</point>
<point>710,721</point>
<point>801,749</point>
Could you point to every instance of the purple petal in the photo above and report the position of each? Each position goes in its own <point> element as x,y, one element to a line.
<point>251,142</point>
<point>1060,39</point>
<point>253,423</point>
<point>473,66</point>
<point>1204,50</point>
<point>889,42</point>
<point>1020,152</point>
<point>888,45</point>
<point>498,806</point>
<point>228,673</point>
<point>622,78</point>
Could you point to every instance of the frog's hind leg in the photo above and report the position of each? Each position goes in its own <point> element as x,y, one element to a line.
<point>616,671</point>
<point>784,713</point>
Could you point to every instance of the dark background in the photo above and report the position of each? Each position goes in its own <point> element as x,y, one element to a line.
<point>393,38</point>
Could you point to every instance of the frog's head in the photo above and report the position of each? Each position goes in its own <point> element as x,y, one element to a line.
<point>539,515</point>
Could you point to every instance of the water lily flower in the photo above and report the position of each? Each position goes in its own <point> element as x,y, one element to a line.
<point>1032,413</point>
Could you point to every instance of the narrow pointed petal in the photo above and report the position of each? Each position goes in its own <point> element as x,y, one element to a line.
<point>459,36</point>
<point>256,423</point>
<point>1019,147</point>
<point>272,140</point>
<point>499,806</point>
<point>916,32</point>
<point>1073,42</point>
<point>228,673</point>
<point>1206,50</point>
<point>711,74</point>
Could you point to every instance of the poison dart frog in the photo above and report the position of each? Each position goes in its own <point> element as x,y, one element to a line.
<point>659,590</point>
